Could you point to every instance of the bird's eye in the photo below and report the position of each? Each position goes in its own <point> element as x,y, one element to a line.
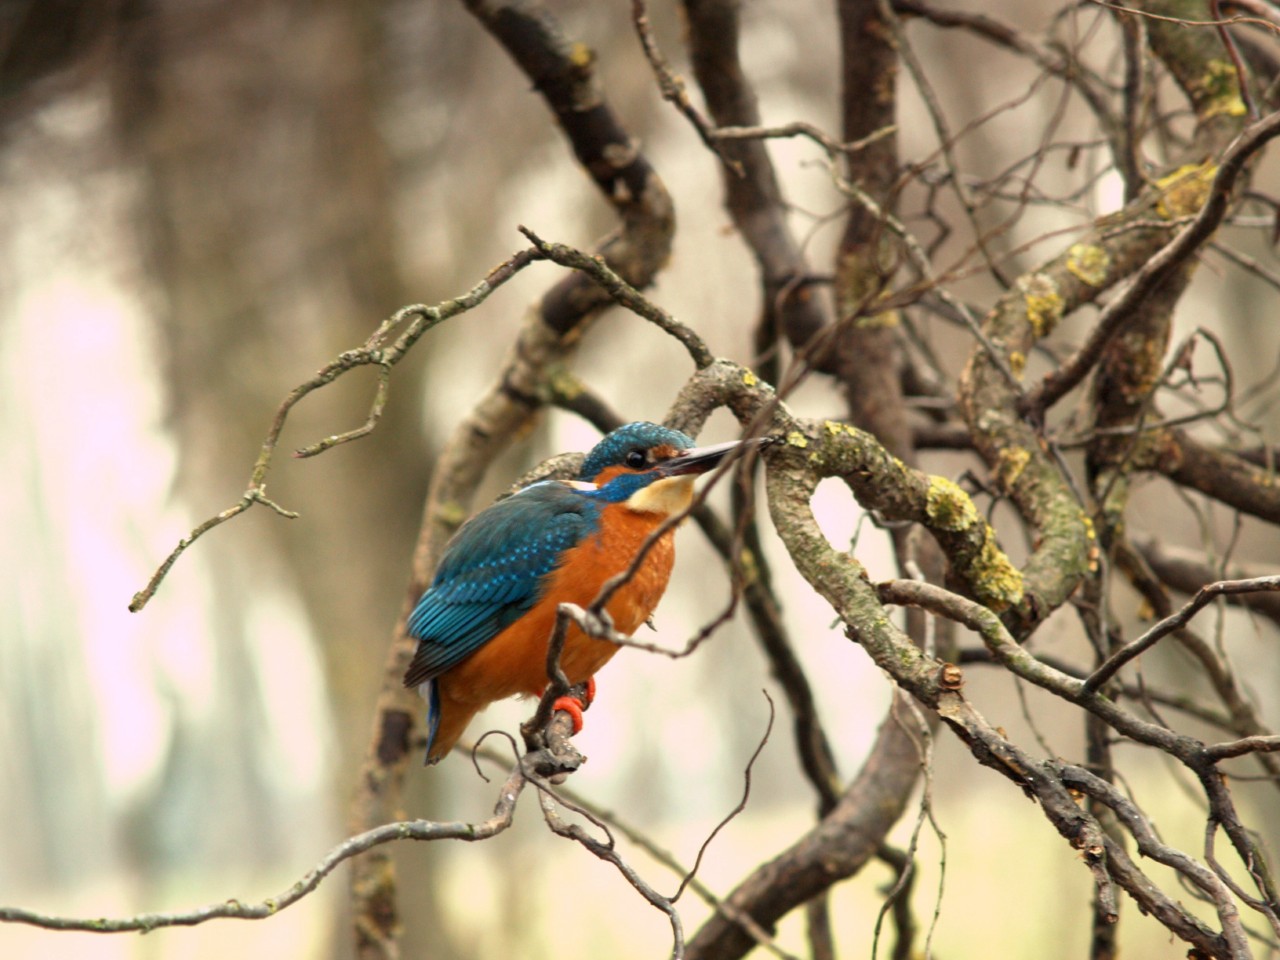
<point>635,459</point>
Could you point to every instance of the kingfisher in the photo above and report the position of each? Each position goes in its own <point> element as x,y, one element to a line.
<point>484,624</point>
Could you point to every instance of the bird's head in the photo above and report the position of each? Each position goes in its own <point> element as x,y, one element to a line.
<point>651,468</point>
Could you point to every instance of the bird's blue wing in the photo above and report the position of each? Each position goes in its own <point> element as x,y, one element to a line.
<point>492,573</point>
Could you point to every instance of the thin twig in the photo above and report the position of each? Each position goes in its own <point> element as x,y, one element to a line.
<point>597,814</point>
<point>1204,595</point>
<point>799,128</point>
<point>237,910</point>
<point>417,319</point>
<point>625,294</point>
<point>920,260</point>
<point>672,87</point>
<point>738,807</point>
<point>608,853</point>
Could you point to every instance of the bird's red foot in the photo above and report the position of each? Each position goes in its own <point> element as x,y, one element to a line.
<point>574,707</point>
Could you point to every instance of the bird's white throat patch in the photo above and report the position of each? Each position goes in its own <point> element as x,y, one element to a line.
<point>666,496</point>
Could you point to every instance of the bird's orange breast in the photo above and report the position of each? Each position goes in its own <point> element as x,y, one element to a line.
<point>515,661</point>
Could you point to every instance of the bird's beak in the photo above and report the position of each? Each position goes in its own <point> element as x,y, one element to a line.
<point>701,459</point>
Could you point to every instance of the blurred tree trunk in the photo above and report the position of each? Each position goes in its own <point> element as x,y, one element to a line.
<point>266,205</point>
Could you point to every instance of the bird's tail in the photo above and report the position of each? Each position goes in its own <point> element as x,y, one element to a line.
<point>430,692</point>
<point>446,720</point>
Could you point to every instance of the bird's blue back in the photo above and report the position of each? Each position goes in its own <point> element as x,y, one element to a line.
<point>493,570</point>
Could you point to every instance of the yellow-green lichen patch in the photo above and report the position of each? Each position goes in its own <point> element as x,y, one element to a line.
<point>835,428</point>
<point>1088,262</point>
<point>1184,191</point>
<point>1221,82</point>
<point>451,514</point>
<point>581,55</point>
<point>565,384</point>
<point>877,321</point>
<point>749,379</point>
<point>1087,522</point>
<point>1010,462</point>
<point>854,287</point>
<point>1093,553</point>
<point>797,439</point>
<point>948,507</point>
<point>1017,362</point>
<point>995,581</point>
<point>1043,303</point>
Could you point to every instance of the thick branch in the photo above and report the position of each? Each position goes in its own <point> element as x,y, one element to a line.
<point>1217,473</point>
<point>1169,259</point>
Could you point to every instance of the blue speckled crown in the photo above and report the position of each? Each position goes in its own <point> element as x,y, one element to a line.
<point>642,435</point>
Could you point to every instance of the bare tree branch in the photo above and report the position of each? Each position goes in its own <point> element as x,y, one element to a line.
<point>234,909</point>
<point>1203,597</point>
<point>416,320</point>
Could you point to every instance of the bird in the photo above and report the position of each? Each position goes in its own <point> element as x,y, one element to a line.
<point>483,625</point>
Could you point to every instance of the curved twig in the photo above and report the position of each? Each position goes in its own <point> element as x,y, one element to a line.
<point>237,910</point>
<point>417,319</point>
<point>1204,595</point>
<point>625,294</point>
